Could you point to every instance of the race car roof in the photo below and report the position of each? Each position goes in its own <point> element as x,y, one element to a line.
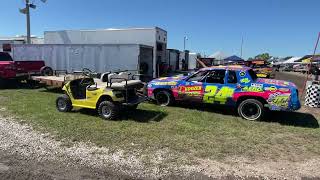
<point>231,67</point>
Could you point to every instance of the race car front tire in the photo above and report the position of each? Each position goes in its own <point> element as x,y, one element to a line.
<point>164,98</point>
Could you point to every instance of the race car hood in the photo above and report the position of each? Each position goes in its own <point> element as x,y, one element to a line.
<point>167,80</point>
<point>274,82</point>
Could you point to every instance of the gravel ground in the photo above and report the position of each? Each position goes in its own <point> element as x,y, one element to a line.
<point>28,154</point>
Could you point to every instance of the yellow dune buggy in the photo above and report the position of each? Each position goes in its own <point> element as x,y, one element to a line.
<point>109,95</point>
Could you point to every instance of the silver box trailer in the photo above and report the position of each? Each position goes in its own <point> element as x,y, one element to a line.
<point>100,57</point>
<point>154,36</point>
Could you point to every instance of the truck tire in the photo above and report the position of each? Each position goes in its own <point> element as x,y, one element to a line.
<point>108,110</point>
<point>63,103</point>
<point>164,98</point>
<point>2,83</point>
<point>251,109</point>
<point>46,71</point>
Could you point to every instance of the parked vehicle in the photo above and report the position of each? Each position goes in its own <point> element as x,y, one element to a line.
<point>287,68</point>
<point>20,70</point>
<point>235,86</point>
<point>300,68</point>
<point>108,98</point>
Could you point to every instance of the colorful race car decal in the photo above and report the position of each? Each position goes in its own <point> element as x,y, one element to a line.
<point>245,80</point>
<point>213,94</point>
<point>242,73</point>
<point>166,83</point>
<point>279,100</point>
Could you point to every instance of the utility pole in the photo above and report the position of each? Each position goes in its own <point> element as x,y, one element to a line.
<point>28,22</point>
<point>26,11</point>
<point>185,38</point>
<point>241,47</point>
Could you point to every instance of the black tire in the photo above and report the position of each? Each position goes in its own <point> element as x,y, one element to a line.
<point>251,109</point>
<point>108,110</point>
<point>46,71</point>
<point>2,83</point>
<point>164,98</point>
<point>63,103</point>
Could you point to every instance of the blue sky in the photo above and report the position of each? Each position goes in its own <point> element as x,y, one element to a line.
<point>280,27</point>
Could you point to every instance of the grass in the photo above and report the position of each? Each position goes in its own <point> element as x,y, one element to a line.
<point>195,131</point>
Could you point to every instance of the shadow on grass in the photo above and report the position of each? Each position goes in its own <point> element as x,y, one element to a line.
<point>220,109</point>
<point>292,119</point>
<point>15,84</point>
<point>297,119</point>
<point>52,90</point>
<point>138,115</point>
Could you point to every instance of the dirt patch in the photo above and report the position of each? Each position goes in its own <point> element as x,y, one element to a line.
<point>314,111</point>
<point>242,167</point>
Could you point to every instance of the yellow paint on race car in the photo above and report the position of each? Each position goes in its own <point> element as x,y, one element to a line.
<point>211,95</point>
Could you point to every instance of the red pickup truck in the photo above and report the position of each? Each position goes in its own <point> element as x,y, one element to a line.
<point>20,70</point>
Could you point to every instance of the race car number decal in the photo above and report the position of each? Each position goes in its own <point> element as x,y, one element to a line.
<point>212,94</point>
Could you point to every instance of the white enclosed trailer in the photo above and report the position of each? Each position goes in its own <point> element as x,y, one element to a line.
<point>155,37</point>
<point>99,58</point>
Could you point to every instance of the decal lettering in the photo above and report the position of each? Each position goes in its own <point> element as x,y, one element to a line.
<point>245,80</point>
<point>271,88</point>
<point>278,99</point>
<point>193,88</point>
<point>256,85</point>
<point>252,89</point>
<point>165,83</point>
<point>190,90</point>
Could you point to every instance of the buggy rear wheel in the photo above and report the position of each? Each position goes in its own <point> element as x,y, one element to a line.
<point>63,103</point>
<point>108,110</point>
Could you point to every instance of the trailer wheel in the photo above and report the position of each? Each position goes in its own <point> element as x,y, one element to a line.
<point>108,110</point>
<point>251,109</point>
<point>63,103</point>
<point>46,71</point>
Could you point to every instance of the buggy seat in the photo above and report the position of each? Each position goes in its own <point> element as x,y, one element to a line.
<point>120,81</point>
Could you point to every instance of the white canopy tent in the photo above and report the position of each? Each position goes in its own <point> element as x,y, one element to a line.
<point>218,55</point>
<point>291,60</point>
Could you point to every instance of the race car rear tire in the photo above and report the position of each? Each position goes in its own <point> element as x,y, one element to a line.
<point>108,110</point>
<point>164,98</point>
<point>251,109</point>
<point>63,103</point>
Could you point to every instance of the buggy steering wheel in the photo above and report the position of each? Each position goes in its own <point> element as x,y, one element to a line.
<point>86,72</point>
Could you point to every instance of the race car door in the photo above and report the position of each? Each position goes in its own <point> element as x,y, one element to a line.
<point>216,87</point>
<point>192,88</point>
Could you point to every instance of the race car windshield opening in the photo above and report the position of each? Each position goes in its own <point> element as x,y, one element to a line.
<point>253,75</point>
<point>197,76</point>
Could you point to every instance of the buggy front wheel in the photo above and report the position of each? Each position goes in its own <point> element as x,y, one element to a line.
<point>63,103</point>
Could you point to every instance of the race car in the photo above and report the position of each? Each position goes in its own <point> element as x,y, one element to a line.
<point>235,86</point>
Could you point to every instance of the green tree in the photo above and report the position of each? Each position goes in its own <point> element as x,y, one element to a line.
<point>263,56</point>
